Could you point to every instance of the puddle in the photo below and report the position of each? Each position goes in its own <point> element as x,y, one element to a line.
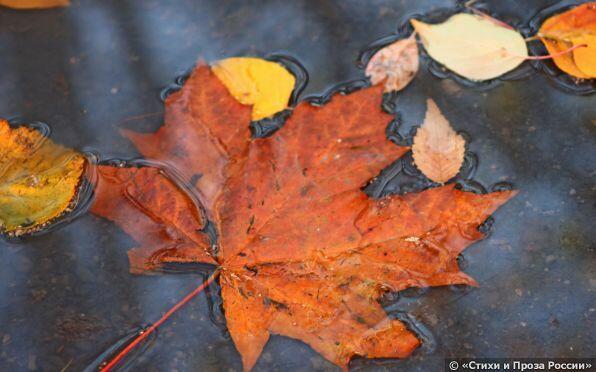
<point>80,264</point>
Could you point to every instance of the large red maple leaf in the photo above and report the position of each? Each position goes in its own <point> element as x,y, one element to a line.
<point>302,251</point>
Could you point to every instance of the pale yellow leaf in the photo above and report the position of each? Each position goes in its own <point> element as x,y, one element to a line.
<point>438,150</point>
<point>472,46</point>
<point>265,85</point>
<point>396,64</point>
<point>34,4</point>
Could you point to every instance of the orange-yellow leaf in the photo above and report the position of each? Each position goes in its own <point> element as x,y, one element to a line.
<point>34,4</point>
<point>585,58</point>
<point>438,150</point>
<point>39,180</point>
<point>574,27</point>
<point>396,64</point>
<point>265,85</point>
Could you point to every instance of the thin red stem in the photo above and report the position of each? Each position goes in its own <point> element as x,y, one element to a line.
<point>559,53</point>
<point>139,117</point>
<point>122,354</point>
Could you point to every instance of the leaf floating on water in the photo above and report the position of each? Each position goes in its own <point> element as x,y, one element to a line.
<point>574,27</point>
<point>396,64</point>
<point>438,150</point>
<point>265,85</point>
<point>473,46</point>
<point>34,4</point>
<point>303,252</point>
<point>39,180</point>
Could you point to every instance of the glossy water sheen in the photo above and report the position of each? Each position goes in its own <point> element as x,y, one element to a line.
<point>67,297</point>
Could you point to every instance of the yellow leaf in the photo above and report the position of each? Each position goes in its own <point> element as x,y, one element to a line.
<point>34,4</point>
<point>396,64</point>
<point>253,81</point>
<point>564,61</point>
<point>472,46</point>
<point>438,150</point>
<point>38,179</point>
<point>585,58</point>
<point>576,26</point>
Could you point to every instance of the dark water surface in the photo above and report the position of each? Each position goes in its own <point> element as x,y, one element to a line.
<point>85,70</point>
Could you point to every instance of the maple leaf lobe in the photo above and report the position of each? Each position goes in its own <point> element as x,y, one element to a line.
<point>320,153</point>
<point>205,127</point>
<point>160,216</point>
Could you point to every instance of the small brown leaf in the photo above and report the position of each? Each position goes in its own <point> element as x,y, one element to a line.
<point>396,63</point>
<point>438,150</point>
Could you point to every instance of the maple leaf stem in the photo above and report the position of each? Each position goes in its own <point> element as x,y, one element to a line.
<point>143,335</point>
<point>558,54</point>
<point>139,117</point>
